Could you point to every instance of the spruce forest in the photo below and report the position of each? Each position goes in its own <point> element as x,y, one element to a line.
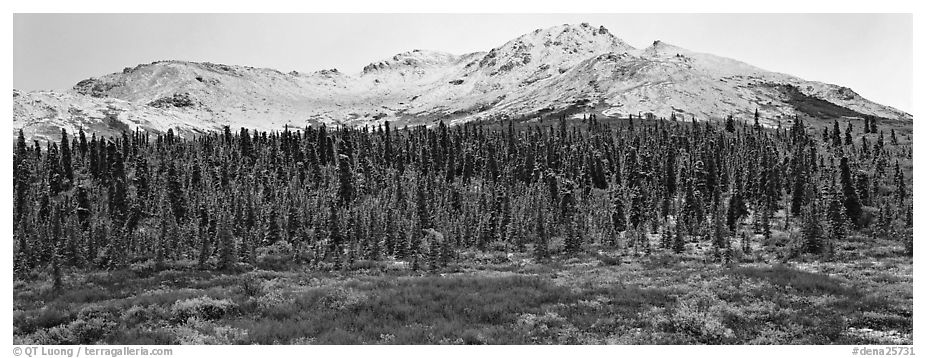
<point>617,230</point>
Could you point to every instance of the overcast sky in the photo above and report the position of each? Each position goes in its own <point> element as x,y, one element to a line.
<point>871,53</point>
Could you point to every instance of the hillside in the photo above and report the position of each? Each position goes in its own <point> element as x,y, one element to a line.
<point>562,69</point>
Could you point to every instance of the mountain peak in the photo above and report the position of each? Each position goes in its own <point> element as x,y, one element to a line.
<point>576,37</point>
<point>547,52</point>
<point>661,48</point>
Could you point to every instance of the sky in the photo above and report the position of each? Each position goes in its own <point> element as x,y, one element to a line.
<point>870,53</point>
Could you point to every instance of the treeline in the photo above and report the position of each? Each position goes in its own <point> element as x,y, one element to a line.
<point>330,198</point>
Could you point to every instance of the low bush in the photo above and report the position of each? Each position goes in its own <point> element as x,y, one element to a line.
<point>700,316</point>
<point>275,257</point>
<point>138,315</point>
<point>205,308</point>
<point>198,332</point>
<point>806,282</point>
<point>80,331</point>
<point>251,285</point>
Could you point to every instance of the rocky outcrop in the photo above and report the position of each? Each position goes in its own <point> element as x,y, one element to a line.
<point>178,100</point>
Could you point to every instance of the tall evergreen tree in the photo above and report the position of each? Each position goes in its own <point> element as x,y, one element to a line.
<point>227,255</point>
<point>345,180</point>
<point>541,245</point>
<point>21,176</point>
<point>850,199</point>
<point>66,169</point>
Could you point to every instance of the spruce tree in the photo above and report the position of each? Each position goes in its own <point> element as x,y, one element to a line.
<point>166,233</point>
<point>836,134</point>
<point>67,170</point>
<point>22,258</point>
<point>665,239</point>
<point>21,177</point>
<point>718,233</point>
<point>433,253</point>
<point>618,220</point>
<point>678,242</point>
<point>421,206</point>
<point>899,183</point>
<point>56,272</point>
<point>797,191</point>
<point>541,245</point>
<point>730,124</point>
<point>836,217</point>
<point>812,231</point>
<point>345,180</point>
<point>205,250</point>
<point>174,193</point>
<point>335,240</point>
<point>55,177</point>
<point>853,208</point>
<point>767,224</point>
<point>227,255</point>
<point>736,210</point>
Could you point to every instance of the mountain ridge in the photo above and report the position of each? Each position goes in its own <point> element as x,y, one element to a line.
<point>572,68</point>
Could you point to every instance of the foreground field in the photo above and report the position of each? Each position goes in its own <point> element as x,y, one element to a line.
<point>862,296</point>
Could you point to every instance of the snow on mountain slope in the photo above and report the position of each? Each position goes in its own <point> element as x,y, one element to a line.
<point>578,68</point>
<point>544,53</point>
<point>529,61</point>
<point>414,64</point>
<point>758,87</point>
<point>42,114</point>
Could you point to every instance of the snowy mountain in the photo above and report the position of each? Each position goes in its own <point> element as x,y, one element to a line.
<point>567,69</point>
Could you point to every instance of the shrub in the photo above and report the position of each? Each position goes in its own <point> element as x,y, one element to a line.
<point>251,285</point>
<point>136,314</point>
<point>338,336</point>
<point>275,257</point>
<point>51,336</point>
<point>547,326</point>
<point>607,260</point>
<point>369,265</point>
<point>144,268</point>
<point>274,299</point>
<point>800,281</point>
<point>204,307</point>
<point>302,340</point>
<point>397,266</point>
<point>145,335</point>
<point>343,298</point>
<point>473,337</point>
<point>869,214</point>
<point>80,331</point>
<point>94,311</point>
<point>304,253</point>
<point>93,330</point>
<point>198,332</point>
<point>700,316</point>
<point>30,321</point>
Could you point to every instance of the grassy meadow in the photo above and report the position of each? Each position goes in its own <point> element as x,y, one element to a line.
<point>863,295</point>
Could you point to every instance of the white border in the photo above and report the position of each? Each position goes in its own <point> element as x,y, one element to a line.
<point>467,6</point>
